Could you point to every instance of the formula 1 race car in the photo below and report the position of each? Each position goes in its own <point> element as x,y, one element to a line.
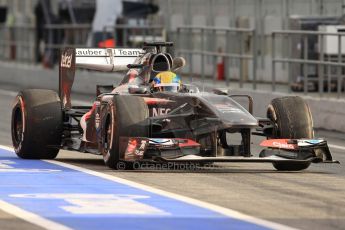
<point>152,117</point>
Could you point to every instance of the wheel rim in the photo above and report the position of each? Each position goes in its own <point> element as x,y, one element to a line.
<point>271,114</point>
<point>107,140</point>
<point>18,126</point>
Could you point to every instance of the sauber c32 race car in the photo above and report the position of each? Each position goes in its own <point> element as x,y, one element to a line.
<point>136,122</point>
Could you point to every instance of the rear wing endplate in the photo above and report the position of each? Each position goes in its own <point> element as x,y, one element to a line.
<point>106,59</point>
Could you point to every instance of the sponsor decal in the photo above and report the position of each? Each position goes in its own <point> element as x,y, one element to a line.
<point>187,143</point>
<point>104,52</point>
<point>97,114</point>
<point>153,101</point>
<point>278,143</point>
<point>97,120</point>
<point>136,148</point>
<point>227,108</point>
<point>309,142</point>
<point>132,145</point>
<point>127,52</point>
<point>160,140</point>
<point>142,147</point>
<point>160,111</point>
<point>91,52</point>
<point>163,143</point>
<point>66,60</point>
<point>282,145</point>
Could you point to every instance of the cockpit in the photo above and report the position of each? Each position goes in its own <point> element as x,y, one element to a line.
<point>156,71</point>
<point>151,64</point>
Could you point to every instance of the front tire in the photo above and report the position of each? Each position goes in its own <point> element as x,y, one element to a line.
<point>36,124</point>
<point>123,117</point>
<point>292,119</point>
<point>281,166</point>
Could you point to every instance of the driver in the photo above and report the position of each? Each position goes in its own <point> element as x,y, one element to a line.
<point>166,81</point>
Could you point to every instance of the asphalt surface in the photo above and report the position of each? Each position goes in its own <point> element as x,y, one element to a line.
<point>311,199</point>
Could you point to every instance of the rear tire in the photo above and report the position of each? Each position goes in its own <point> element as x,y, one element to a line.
<point>123,117</point>
<point>292,120</point>
<point>36,124</point>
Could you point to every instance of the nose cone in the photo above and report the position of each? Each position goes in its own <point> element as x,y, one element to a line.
<point>235,116</point>
<point>230,112</point>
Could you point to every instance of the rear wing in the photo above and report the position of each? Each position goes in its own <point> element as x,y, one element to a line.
<point>107,60</point>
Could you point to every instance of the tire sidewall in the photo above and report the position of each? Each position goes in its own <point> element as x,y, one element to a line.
<point>19,105</point>
<point>110,152</point>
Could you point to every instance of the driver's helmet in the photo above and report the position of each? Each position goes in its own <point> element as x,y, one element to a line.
<point>166,81</point>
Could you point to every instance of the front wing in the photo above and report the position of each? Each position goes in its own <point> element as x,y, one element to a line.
<point>162,150</point>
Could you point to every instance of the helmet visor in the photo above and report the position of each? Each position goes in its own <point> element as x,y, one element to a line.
<point>168,87</point>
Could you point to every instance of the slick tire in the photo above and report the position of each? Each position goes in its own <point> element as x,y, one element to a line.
<point>124,116</point>
<point>291,167</point>
<point>292,120</point>
<point>284,166</point>
<point>36,124</point>
<point>291,117</point>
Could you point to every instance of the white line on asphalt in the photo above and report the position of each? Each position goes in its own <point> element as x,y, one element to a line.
<point>336,146</point>
<point>31,217</point>
<point>8,92</point>
<point>6,148</point>
<point>225,211</point>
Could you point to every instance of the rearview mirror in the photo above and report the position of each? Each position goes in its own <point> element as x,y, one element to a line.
<point>134,89</point>
<point>178,63</point>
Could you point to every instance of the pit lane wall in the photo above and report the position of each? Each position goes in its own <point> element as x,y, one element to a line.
<point>327,113</point>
